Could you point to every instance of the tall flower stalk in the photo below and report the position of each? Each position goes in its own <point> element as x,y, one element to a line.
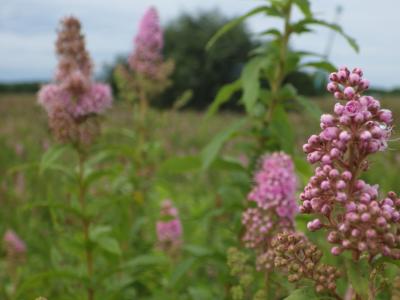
<point>73,103</point>
<point>169,229</point>
<point>344,205</point>
<point>274,195</point>
<point>147,72</point>
<point>144,76</point>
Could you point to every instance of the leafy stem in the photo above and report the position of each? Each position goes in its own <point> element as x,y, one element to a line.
<point>280,70</point>
<point>86,224</point>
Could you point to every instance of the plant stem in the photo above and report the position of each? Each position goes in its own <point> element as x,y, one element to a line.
<point>86,225</point>
<point>280,72</point>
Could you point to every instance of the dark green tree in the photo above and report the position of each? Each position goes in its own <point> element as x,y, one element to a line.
<point>197,69</point>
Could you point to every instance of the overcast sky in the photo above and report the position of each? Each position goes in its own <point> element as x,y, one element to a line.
<point>27,32</point>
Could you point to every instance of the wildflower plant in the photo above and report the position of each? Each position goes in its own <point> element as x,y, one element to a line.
<point>74,101</point>
<point>274,195</point>
<point>146,74</point>
<point>266,125</point>
<point>74,104</point>
<point>342,203</point>
<point>345,206</point>
<point>169,229</point>
<point>142,77</point>
<point>16,253</point>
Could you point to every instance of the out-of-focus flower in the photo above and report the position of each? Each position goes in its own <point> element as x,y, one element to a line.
<point>73,99</point>
<point>13,244</point>
<point>147,56</point>
<point>275,185</point>
<point>19,149</point>
<point>169,228</point>
<point>292,253</point>
<point>274,194</point>
<point>147,74</point>
<point>346,206</point>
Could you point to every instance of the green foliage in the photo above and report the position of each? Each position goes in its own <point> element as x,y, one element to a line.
<point>265,93</point>
<point>306,293</point>
<point>358,274</point>
<point>210,153</point>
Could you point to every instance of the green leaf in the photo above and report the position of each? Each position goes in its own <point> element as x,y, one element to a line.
<point>180,164</point>
<point>109,245</point>
<point>303,169</point>
<point>93,175</point>
<point>292,62</point>
<point>50,158</point>
<point>287,92</point>
<point>138,263</point>
<point>384,259</point>
<point>232,24</point>
<point>35,280</point>
<point>282,129</point>
<point>211,151</point>
<point>96,232</point>
<point>304,6</point>
<point>309,106</point>
<point>358,273</point>
<point>200,293</point>
<point>223,96</point>
<point>310,21</point>
<point>61,206</point>
<point>274,32</point>
<point>227,164</point>
<point>251,83</point>
<point>183,99</point>
<point>321,65</point>
<point>197,250</point>
<point>305,293</point>
<point>181,269</point>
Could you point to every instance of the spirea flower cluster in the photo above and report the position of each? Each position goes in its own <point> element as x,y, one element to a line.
<point>147,56</point>
<point>73,98</point>
<point>169,228</point>
<point>14,245</point>
<point>274,194</point>
<point>346,206</point>
<point>296,256</point>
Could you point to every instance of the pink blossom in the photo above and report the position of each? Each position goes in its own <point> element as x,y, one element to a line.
<point>274,194</point>
<point>275,185</point>
<point>169,228</point>
<point>13,243</point>
<point>73,98</point>
<point>147,57</point>
<point>345,205</point>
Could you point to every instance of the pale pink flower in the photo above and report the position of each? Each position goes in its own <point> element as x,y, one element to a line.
<point>147,56</point>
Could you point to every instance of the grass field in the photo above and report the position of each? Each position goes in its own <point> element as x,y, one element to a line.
<point>206,205</point>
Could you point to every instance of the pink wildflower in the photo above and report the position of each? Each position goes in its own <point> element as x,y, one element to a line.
<point>74,97</point>
<point>147,57</point>
<point>346,206</point>
<point>14,245</point>
<point>274,194</point>
<point>169,228</point>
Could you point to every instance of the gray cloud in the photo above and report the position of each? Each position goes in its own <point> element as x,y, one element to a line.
<point>27,32</point>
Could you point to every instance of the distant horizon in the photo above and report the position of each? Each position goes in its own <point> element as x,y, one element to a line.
<point>28,32</point>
